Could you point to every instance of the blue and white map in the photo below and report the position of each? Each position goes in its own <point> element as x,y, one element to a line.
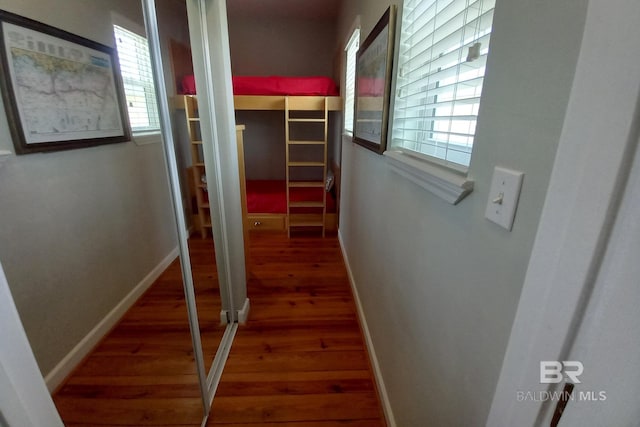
<point>64,91</point>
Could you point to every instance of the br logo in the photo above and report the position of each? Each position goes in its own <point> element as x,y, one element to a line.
<point>553,372</point>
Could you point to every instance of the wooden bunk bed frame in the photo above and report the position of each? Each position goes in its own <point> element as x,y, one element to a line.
<point>275,221</point>
<point>270,103</point>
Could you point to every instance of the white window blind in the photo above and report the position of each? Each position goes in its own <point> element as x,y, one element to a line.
<point>137,78</point>
<point>441,64</point>
<point>350,80</point>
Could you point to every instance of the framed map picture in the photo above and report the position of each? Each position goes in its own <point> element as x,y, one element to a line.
<point>373,84</point>
<point>60,90</point>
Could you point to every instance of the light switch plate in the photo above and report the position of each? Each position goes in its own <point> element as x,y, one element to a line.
<point>503,196</point>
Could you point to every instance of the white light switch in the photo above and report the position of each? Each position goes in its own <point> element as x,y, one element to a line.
<point>503,196</point>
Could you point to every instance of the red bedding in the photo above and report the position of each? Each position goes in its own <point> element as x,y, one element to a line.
<point>265,196</point>
<point>273,85</point>
<point>371,86</point>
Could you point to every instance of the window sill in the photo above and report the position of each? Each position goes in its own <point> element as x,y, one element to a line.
<point>446,183</point>
<point>145,138</point>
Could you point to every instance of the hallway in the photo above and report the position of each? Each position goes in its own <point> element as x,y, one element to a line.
<point>300,360</point>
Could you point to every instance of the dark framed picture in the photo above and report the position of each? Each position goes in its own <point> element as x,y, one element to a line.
<point>60,90</point>
<point>373,84</point>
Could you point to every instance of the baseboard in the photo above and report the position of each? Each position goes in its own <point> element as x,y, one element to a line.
<point>58,374</point>
<point>243,313</point>
<point>382,391</point>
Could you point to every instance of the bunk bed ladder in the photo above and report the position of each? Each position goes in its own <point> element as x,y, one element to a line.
<point>203,218</point>
<point>306,213</point>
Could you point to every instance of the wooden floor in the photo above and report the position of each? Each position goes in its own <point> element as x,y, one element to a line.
<point>143,372</point>
<point>300,361</point>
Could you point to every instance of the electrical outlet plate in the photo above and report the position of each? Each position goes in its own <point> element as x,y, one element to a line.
<point>503,196</point>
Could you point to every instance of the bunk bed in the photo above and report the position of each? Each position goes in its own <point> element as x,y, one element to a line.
<point>282,205</point>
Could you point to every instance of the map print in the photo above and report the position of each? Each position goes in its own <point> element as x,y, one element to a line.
<point>64,91</point>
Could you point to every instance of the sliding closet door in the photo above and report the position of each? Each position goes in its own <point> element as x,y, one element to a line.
<point>211,276</point>
<point>151,24</point>
<point>212,66</point>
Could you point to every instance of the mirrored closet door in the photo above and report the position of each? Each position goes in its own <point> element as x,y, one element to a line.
<point>211,249</point>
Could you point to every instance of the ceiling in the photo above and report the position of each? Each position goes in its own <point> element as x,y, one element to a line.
<point>302,9</point>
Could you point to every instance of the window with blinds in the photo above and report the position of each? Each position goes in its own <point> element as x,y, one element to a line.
<point>137,78</point>
<point>350,80</point>
<point>441,64</point>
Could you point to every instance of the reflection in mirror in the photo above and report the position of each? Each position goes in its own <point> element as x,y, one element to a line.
<point>88,238</point>
<point>189,143</point>
<point>198,255</point>
<point>106,305</point>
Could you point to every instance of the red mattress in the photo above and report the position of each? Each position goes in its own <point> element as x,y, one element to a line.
<point>273,85</point>
<point>265,196</point>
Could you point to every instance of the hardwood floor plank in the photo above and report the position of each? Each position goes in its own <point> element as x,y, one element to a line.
<point>137,365</point>
<point>298,361</point>
<point>309,338</point>
<point>333,423</point>
<point>100,390</point>
<point>138,380</point>
<point>300,408</point>
<point>135,412</point>
<point>286,383</point>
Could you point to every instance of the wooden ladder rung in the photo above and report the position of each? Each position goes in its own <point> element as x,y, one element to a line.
<point>306,142</point>
<point>306,164</point>
<point>306,220</point>
<point>306,184</point>
<point>307,120</point>
<point>306,204</point>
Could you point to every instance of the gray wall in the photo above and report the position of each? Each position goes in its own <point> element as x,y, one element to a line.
<point>277,45</point>
<point>439,283</point>
<point>80,228</point>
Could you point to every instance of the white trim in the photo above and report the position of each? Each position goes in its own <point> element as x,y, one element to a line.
<point>377,372</point>
<point>351,38</point>
<point>354,26</point>
<point>58,374</point>
<point>224,317</point>
<point>219,362</point>
<point>210,45</point>
<point>243,313</point>
<point>121,21</point>
<point>444,182</point>
<point>4,156</point>
<point>146,138</point>
<point>585,189</point>
<point>24,398</point>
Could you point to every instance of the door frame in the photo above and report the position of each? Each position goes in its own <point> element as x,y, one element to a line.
<point>24,397</point>
<point>593,162</point>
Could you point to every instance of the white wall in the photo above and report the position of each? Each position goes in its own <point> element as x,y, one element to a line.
<point>439,284</point>
<point>80,228</point>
